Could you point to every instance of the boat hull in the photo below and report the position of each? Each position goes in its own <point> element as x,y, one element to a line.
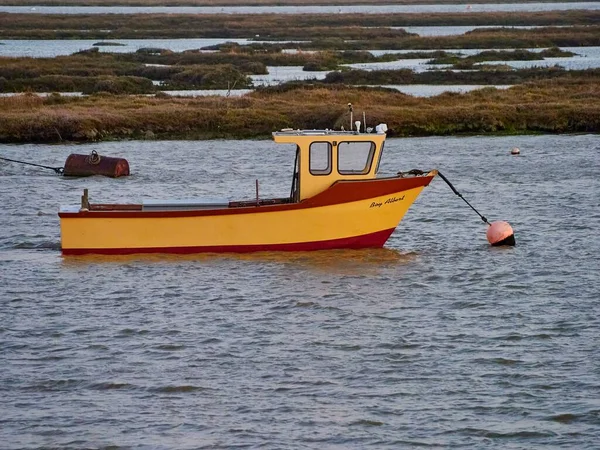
<point>348,215</point>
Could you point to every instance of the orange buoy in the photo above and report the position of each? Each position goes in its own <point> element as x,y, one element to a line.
<point>94,164</point>
<point>500,233</point>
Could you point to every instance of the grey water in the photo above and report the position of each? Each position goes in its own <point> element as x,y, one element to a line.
<point>437,340</point>
<point>431,90</point>
<point>416,90</point>
<point>589,51</point>
<point>49,48</point>
<point>454,30</point>
<point>302,9</point>
<point>283,74</point>
<point>586,57</point>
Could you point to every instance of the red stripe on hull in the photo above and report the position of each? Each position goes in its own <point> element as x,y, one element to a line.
<point>372,240</point>
<point>343,191</point>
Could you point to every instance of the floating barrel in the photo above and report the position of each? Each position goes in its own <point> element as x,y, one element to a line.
<point>94,164</point>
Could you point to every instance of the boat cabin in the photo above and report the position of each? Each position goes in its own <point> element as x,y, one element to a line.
<point>326,156</point>
<point>322,158</point>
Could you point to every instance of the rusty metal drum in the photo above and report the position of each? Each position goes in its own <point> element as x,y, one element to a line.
<point>94,164</point>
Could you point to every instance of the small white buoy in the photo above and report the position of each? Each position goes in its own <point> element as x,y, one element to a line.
<point>515,151</point>
<point>500,233</point>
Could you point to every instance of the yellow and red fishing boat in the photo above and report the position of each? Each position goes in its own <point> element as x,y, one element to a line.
<point>336,201</point>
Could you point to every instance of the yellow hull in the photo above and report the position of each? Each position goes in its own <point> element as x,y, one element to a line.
<point>366,222</point>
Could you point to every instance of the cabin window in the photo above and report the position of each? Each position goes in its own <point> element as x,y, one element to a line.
<point>355,157</point>
<point>320,158</point>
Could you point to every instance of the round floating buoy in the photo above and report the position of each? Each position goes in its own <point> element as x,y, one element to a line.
<point>515,151</point>
<point>500,233</point>
<point>94,164</point>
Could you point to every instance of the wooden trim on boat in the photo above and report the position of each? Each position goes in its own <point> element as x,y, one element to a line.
<point>114,207</point>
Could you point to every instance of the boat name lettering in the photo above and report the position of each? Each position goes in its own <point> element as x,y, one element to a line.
<point>386,202</point>
<point>394,199</point>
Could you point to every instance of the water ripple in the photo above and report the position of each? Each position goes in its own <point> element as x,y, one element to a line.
<point>437,341</point>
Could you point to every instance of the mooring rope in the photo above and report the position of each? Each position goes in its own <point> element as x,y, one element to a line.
<point>460,195</point>
<point>423,172</point>
<point>58,170</point>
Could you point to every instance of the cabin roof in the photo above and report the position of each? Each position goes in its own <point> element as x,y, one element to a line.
<point>304,137</point>
<point>291,132</point>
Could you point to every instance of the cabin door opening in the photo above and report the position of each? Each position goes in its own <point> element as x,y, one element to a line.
<point>295,190</point>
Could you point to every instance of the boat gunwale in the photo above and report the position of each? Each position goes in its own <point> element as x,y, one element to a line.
<point>341,191</point>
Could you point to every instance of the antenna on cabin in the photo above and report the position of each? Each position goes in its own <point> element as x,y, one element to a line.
<point>350,109</point>
<point>364,122</point>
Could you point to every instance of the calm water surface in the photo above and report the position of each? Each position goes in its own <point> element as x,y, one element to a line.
<point>310,9</point>
<point>586,57</point>
<point>457,30</point>
<point>431,90</point>
<point>436,341</point>
<point>283,74</point>
<point>417,90</point>
<point>48,48</point>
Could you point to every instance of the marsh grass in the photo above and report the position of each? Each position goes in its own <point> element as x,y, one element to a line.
<point>552,106</point>
<point>267,26</point>
<point>91,71</point>
<point>549,100</point>
<point>462,62</point>
<point>492,76</point>
<point>237,2</point>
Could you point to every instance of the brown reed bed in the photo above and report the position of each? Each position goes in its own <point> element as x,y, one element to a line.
<point>303,26</point>
<point>550,106</point>
<point>484,38</point>
<point>128,73</point>
<point>244,2</point>
<point>448,77</point>
<point>462,62</point>
<point>92,71</point>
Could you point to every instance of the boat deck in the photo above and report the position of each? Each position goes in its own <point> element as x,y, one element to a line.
<point>178,205</point>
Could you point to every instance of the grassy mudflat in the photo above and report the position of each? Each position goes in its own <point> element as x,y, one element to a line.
<point>498,76</point>
<point>91,71</point>
<point>556,106</point>
<point>132,73</point>
<point>309,27</point>
<point>251,2</point>
<point>545,100</point>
